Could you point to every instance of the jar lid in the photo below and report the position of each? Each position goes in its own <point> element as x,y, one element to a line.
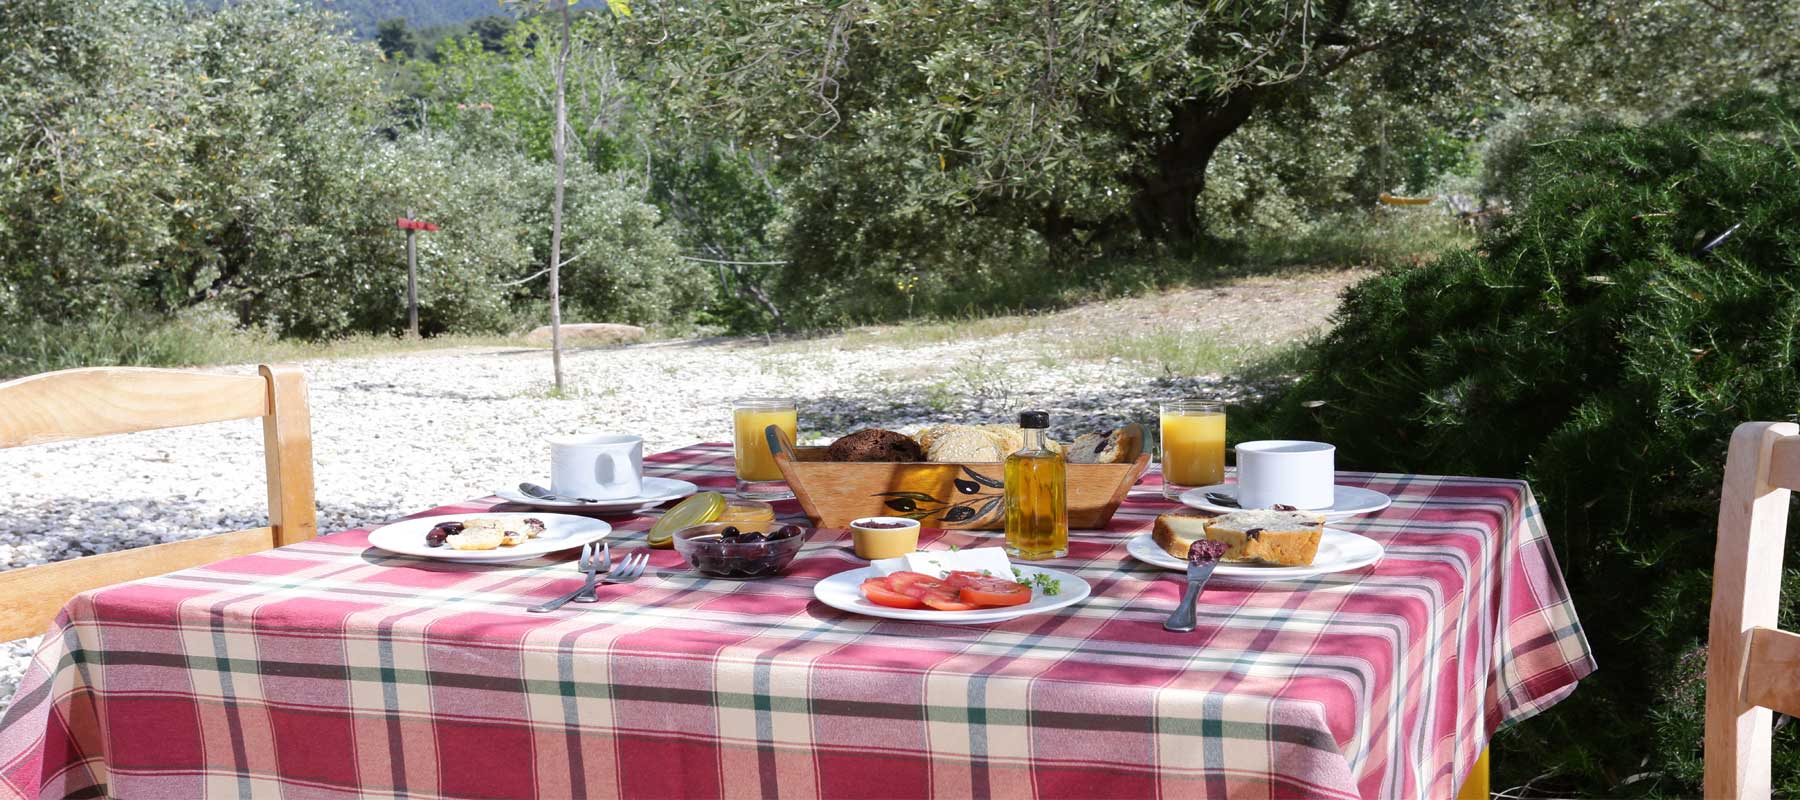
<point>738,510</point>
<point>1034,419</point>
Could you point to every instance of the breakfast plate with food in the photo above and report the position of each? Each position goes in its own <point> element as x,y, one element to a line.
<point>966,587</point>
<point>1264,545</point>
<point>1346,501</point>
<point>487,538</point>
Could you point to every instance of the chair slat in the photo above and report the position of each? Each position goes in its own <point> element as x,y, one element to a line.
<point>1772,670</point>
<point>31,596</point>
<point>1784,463</point>
<point>81,403</point>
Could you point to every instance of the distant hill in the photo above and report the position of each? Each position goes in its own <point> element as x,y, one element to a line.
<point>362,15</point>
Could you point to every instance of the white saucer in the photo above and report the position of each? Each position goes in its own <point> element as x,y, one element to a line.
<point>843,591</point>
<point>1338,551</point>
<point>656,491</point>
<point>1347,501</point>
<point>561,532</point>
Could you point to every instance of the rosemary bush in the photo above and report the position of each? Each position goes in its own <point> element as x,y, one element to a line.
<point>1595,347</point>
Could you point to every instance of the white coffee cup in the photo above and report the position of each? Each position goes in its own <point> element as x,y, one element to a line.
<point>1285,472</point>
<point>598,466</point>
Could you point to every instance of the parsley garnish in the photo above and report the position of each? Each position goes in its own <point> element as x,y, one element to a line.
<point>1044,583</point>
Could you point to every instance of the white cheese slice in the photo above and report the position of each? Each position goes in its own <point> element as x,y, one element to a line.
<point>938,563</point>
<point>888,566</point>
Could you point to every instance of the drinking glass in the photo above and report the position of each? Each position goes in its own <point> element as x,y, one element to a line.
<point>758,476</point>
<point>1193,445</point>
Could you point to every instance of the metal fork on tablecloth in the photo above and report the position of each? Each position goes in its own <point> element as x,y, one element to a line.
<point>591,566</point>
<point>629,570</point>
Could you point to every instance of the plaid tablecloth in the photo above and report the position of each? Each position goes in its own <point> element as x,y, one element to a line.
<point>331,670</point>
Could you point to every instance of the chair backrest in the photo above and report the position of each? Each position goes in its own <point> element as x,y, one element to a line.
<point>82,403</point>
<point>1751,667</point>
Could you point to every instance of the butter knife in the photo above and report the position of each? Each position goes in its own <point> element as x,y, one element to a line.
<point>1203,558</point>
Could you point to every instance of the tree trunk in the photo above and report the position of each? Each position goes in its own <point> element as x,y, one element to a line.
<point>559,150</point>
<point>1166,205</point>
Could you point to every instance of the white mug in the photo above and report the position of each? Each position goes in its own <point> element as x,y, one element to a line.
<point>1286,472</point>
<point>597,466</point>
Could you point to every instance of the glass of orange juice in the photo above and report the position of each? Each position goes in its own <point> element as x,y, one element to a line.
<point>1193,445</point>
<point>758,476</point>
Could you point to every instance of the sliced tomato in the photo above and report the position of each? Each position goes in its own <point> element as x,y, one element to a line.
<point>960,579</point>
<point>903,579</point>
<point>881,592</point>
<point>917,584</point>
<point>945,602</point>
<point>1015,595</point>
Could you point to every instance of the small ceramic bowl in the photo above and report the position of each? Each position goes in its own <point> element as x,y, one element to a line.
<point>884,537</point>
<point>703,549</point>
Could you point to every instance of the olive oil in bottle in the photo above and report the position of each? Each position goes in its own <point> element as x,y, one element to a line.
<point>1037,510</point>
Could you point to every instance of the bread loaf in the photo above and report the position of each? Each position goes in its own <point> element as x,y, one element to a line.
<point>965,445</point>
<point>1118,446</point>
<point>875,444</point>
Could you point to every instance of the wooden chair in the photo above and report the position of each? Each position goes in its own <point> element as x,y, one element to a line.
<point>1751,667</point>
<point>82,403</point>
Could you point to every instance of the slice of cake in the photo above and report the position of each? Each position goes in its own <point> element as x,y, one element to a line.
<point>1285,538</point>
<point>477,538</point>
<point>1176,533</point>
<point>489,533</point>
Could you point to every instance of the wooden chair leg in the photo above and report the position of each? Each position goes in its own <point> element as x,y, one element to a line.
<point>1475,787</point>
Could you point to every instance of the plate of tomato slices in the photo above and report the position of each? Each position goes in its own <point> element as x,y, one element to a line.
<point>959,598</point>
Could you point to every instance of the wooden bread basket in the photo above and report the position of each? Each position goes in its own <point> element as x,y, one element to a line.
<point>956,496</point>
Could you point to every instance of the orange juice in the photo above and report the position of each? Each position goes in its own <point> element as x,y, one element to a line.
<point>1193,444</point>
<point>754,461</point>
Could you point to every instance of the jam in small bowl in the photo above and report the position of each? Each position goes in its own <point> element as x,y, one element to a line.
<point>739,550</point>
<point>884,537</point>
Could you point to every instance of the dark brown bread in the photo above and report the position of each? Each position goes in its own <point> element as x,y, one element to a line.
<point>875,444</point>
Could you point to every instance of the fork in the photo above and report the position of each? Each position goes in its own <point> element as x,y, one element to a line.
<point>588,593</point>
<point>590,566</point>
<point>629,570</point>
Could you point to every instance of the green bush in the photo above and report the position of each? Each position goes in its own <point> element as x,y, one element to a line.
<point>1590,347</point>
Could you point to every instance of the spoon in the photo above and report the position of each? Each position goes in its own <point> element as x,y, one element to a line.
<point>537,492</point>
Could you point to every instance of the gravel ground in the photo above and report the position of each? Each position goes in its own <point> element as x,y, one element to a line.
<point>394,435</point>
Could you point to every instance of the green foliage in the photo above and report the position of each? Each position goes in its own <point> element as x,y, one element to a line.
<point>1072,121</point>
<point>1589,347</point>
<point>158,160</point>
<point>395,38</point>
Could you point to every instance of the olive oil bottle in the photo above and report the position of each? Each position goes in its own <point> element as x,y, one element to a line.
<point>1037,508</point>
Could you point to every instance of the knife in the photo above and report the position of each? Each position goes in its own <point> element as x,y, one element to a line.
<point>1203,558</point>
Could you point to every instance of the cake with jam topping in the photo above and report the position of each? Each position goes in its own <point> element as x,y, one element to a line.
<point>1283,538</point>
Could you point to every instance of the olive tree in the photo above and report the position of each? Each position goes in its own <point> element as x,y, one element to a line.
<point>1084,119</point>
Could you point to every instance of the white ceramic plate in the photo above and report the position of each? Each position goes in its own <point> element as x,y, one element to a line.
<point>656,492</point>
<point>1338,551</point>
<point>1347,501</point>
<point>844,591</point>
<point>561,532</point>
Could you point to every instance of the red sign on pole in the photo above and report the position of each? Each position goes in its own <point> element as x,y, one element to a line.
<point>414,224</point>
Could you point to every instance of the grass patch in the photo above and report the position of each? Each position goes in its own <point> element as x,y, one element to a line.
<point>198,340</point>
<point>919,334</point>
<point>1181,353</point>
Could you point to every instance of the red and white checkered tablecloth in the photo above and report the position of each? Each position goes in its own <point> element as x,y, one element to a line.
<point>331,670</point>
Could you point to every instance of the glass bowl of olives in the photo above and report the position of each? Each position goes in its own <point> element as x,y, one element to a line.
<point>740,550</point>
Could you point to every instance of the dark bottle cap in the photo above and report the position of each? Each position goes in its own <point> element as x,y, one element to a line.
<point>1034,419</point>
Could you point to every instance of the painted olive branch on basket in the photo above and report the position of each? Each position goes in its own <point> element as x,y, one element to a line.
<point>922,506</point>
